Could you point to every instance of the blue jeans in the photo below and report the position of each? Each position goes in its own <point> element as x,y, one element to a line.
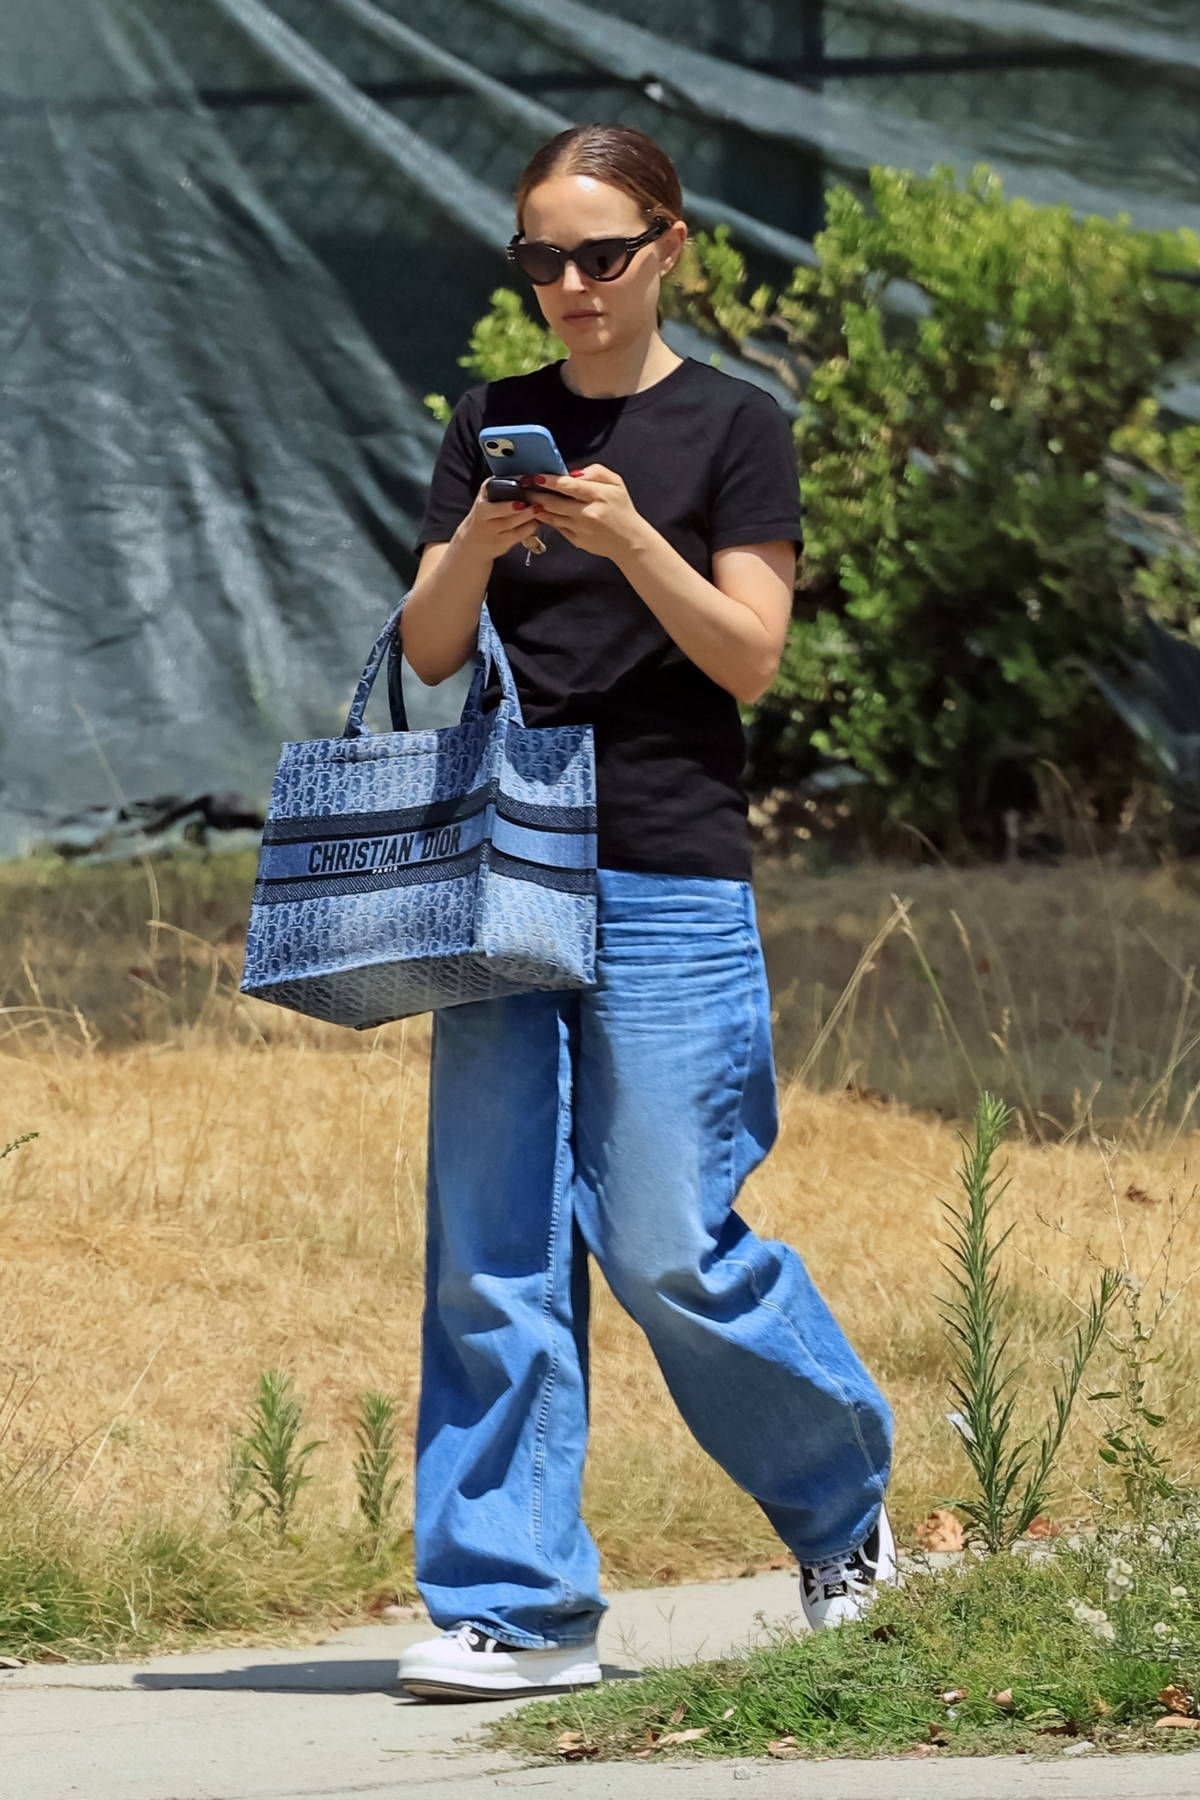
<point>621,1120</point>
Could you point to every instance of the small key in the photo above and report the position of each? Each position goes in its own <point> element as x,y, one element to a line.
<point>534,543</point>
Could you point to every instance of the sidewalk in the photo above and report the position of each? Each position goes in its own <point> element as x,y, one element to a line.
<point>328,1723</point>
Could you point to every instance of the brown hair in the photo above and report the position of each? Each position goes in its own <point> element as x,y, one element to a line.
<point>620,155</point>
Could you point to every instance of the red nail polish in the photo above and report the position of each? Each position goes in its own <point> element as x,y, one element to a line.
<point>520,505</point>
<point>575,471</point>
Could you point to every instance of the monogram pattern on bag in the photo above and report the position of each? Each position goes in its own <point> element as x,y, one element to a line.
<point>404,936</point>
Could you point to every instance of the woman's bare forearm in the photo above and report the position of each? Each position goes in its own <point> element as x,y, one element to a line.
<point>440,623</point>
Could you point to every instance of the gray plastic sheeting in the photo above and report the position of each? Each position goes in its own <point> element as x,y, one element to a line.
<point>206,467</point>
<point>231,274</point>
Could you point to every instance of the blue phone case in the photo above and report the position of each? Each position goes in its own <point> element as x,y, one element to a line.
<point>521,450</point>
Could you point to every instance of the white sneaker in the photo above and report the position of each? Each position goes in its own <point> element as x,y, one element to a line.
<point>832,1593</point>
<point>465,1663</point>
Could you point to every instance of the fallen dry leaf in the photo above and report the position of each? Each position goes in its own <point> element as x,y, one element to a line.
<point>728,1713</point>
<point>1178,1699</point>
<point>1042,1527</point>
<point>1068,1728</point>
<point>937,1734</point>
<point>783,1748</point>
<point>1139,1196</point>
<point>939,1530</point>
<point>952,1696</point>
<point>53,1656</point>
<point>12,1662</point>
<point>683,1737</point>
<point>1177,1719</point>
<point>917,1751</point>
<point>572,1747</point>
<point>1003,1699</point>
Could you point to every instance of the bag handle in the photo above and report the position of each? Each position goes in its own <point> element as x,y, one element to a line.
<point>489,653</point>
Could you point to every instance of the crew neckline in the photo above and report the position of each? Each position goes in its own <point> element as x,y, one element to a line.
<point>626,402</point>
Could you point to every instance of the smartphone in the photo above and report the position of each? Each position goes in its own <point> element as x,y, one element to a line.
<point>513,450</point>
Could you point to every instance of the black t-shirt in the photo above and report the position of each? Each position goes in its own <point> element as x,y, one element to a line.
<point>708,460</point>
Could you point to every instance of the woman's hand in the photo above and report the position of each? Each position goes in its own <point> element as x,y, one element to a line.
<point>591,508</point>
<point>494,526</point>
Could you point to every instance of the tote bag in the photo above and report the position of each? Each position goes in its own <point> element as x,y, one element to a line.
<point>407,870</point>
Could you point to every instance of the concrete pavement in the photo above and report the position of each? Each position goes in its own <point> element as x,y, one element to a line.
<point>327,1723</point>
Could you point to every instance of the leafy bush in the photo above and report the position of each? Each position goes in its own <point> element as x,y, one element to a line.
<point>954,475</point>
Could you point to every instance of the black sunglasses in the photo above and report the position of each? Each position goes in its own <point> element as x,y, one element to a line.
<point>600,259</point>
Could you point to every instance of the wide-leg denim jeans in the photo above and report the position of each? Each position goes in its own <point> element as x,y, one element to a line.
<point>621,1120</point>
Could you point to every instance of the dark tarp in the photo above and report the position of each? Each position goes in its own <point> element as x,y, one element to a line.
<point>240,245</point>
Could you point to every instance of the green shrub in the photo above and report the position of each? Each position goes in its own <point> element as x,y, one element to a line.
<point>954,476</point>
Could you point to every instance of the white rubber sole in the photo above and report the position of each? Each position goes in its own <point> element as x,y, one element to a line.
<point>439,1671</point>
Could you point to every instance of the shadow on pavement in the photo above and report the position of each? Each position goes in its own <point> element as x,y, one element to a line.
<point>337,1676</point>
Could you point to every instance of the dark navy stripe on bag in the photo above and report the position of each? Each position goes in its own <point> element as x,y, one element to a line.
<point>547,818</point>
<point>314,827</point>
<point>566,881</point>
<point>366,824</point>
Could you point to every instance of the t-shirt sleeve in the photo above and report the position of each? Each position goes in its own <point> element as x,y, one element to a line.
<point>457,472</point>
<point>756,492</point>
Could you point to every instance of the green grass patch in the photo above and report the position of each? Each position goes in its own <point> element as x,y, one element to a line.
<point>993,1655</point>
<point>174,1585</point>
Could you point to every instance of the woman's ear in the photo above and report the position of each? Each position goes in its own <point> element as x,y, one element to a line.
<point>679,233</point>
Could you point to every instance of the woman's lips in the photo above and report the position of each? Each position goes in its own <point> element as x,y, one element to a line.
<point>583,315</point>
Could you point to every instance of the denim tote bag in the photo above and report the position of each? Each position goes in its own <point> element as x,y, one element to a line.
<point>408,870</point>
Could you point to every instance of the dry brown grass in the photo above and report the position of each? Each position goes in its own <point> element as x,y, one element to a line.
<point>218,1186</point>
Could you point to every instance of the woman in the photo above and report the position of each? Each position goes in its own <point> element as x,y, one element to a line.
<point>619,1120</point>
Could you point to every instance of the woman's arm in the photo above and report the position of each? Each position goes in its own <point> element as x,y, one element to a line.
<point>732,627</point>
<point>439,626</point>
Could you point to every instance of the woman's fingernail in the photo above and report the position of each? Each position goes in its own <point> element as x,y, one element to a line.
<point>575,471</point>
<point>520,505</point>
<point>538,508</point>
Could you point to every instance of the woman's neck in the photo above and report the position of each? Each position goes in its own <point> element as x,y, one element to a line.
<point>613,374</point>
